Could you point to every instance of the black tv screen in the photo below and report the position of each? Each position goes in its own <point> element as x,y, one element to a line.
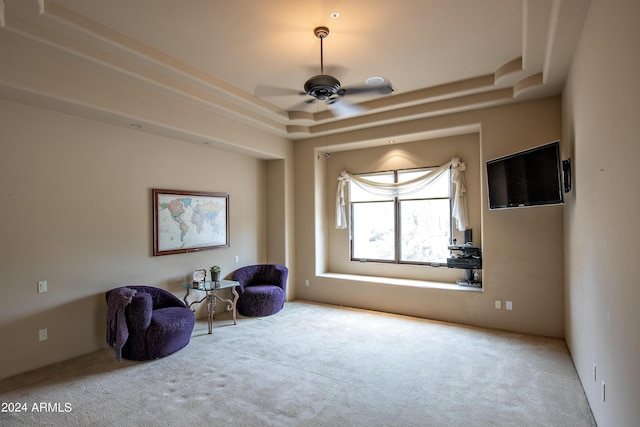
<point>528,178</point>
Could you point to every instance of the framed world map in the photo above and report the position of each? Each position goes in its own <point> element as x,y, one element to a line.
<point>189,221</point>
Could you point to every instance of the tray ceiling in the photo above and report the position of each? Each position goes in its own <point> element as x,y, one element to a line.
<point>239,57</point>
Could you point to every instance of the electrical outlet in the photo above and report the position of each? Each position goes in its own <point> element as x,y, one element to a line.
<point>42,335</point>
<point>306,282</point>
<point>509,305</point>
<point>498,304</point>
<point>42,286</point>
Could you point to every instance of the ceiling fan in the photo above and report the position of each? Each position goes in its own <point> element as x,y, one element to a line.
<point>325,87</point>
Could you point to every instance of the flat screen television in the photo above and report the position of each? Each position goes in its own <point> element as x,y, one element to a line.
<point>529,178</point>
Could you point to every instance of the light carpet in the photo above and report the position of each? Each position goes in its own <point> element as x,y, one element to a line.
<point>315,365</point>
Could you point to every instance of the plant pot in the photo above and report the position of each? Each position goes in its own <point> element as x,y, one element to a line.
<point>215,277</point>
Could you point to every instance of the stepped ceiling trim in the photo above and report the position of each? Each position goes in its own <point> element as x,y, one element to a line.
<point>537,69</point>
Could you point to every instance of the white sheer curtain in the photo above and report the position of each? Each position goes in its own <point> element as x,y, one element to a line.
<point>408,187</point>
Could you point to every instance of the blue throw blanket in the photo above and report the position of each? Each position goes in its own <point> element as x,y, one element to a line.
<point>117,331</point>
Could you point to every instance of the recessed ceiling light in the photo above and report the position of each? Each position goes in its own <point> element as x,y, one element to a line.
<point>392,141</point>
<point>335,15</point>
<point>372,81</point>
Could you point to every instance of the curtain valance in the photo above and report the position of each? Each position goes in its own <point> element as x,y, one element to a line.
<point>409,187</point>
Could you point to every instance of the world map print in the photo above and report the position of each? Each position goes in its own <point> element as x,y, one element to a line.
<point>186,222</point>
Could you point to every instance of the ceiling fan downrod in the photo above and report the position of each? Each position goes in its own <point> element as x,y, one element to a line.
<point>321,33</point>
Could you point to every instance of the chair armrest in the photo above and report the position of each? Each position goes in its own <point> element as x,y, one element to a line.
<point>139,312</point>
<point>278,276</point>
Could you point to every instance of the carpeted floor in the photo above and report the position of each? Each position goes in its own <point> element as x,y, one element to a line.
<point>314,365</point>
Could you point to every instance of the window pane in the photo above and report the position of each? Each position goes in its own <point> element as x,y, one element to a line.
<point>440,188</point>
<point>425,226</point>
<point>373,229</point>
<point>357,194</point>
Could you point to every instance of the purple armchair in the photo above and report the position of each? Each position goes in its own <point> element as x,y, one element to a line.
<point>155,323</point>
<point>262,289</point>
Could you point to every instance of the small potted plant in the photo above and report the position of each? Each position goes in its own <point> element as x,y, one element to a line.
<point>215,273</point>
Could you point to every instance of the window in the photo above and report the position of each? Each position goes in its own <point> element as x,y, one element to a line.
<point>410,229</point>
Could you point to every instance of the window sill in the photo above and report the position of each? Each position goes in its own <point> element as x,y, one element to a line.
<point>425,284</point>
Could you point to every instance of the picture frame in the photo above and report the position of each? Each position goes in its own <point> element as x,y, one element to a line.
<point>189,221</point>
<point>199,277</point>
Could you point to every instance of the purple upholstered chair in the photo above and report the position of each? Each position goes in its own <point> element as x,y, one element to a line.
<point>157,322</point>
<point>262,289</point>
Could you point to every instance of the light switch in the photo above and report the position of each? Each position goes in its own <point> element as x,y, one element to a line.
<point>42,286</point>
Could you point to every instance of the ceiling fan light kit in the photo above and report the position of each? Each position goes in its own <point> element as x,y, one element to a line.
<point>322,87</point>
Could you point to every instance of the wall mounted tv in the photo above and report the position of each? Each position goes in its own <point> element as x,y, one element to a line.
<point>528,178</point>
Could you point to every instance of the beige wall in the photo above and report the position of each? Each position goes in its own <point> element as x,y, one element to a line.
<point>522,248</point>
<point>602,135</point>
<point>77,213</point>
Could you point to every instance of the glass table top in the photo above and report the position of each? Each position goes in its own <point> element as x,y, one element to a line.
<point>208,285</point>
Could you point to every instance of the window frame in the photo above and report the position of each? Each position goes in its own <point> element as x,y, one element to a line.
<point>396,200</point>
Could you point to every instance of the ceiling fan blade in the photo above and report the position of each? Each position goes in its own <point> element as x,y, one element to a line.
<point>383,89</point>
<point>265,90</point>
<point>342,108</point>
<point>302,106</point>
